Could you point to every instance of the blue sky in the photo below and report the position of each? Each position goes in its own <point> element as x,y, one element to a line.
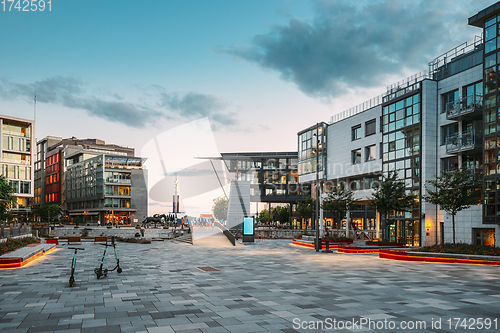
<point>127,71</point>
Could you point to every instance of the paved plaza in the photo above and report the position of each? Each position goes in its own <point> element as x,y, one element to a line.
<point>269,286</point>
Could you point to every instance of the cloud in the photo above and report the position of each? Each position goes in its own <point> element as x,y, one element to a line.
<point>72,92</point>
<point>360,44</point>
<point>195,105</point>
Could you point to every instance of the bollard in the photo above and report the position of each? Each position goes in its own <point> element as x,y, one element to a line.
<point>2,232</point>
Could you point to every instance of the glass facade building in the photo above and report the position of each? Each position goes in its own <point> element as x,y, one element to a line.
<point>401,153</point>
<point>102,187</point>
<point>273,176</point>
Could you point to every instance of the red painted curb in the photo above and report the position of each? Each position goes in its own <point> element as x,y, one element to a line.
<point>403,256</point>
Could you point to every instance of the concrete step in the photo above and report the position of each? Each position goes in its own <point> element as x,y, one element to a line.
<point>188,238</point>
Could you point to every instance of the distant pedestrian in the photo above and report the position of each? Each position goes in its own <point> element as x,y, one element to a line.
<point>98,223</point>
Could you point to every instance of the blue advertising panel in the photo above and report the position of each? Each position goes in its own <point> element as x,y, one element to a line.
<point>248,223</point>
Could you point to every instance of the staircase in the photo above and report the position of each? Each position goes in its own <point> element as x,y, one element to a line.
<point>186,238</point>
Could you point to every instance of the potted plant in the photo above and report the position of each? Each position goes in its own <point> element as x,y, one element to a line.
<point>138,226</point>
<point>108,225</point>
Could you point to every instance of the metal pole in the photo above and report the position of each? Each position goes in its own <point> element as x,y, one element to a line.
<point>318,246</point>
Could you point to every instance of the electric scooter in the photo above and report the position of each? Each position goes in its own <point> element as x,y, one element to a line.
<point>73,265</point>
<point>117,267</point>
<point>100,272</point>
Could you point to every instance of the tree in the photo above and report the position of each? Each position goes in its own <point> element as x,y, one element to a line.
<point>45,212</point>
<point>283,214</point>
<point>454,191</point>
<point>390,195</point>
<point>306,207</point>
<point>6,192</point>
<point>264,216</point>
<point>338,202</point>
<point>220,208</point>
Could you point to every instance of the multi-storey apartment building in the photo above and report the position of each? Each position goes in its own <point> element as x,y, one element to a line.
<point>429,123</point>
<point>50,166</point>
<point>109,187</point>
<point>17,161</point>
<point>70,173</point>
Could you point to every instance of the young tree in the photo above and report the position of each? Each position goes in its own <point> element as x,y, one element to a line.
<point>306,207</point>
<point>46,211</point>
<point>283,214</point>
<point>454,191</point>
<point>390,195</point>
<point>220,208</point>
<point>264,216</point>
<point>338,202</point>
<point>6,192</point>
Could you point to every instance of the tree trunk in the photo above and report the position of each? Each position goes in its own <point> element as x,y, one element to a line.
<point>453,221</point>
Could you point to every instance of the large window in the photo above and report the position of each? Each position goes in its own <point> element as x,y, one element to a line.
<point>370,127</point>
<point>450,100</point>
<point>370,153</point>
<point>473,93</point>
<point>356,156</point>
<point>449,164</point>
<point>356,132</point>
<point>448,131</point>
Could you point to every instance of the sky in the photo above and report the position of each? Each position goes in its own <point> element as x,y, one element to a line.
<point>257,72</point>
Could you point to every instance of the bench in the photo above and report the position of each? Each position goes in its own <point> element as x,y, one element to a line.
<point>74,239</point>
<point>101,239</point>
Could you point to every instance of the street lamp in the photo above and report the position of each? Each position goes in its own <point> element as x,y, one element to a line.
<point>317,145</point>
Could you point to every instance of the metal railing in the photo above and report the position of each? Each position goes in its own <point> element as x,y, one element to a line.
<point>462,142</point>
<point>463,106</point>
<point>457,51</point>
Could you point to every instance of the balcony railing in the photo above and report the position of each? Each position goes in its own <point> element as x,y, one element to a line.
<point>466,105</point>
<point>463,142</point>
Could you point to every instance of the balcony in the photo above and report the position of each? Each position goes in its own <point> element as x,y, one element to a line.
<point>463,142</point>
<point>467,106</point>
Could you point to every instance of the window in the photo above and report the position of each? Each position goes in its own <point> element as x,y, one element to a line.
<point>356,156</point>
<point>449,164</point>
<point>356,133</point>
<point>447,131</point>
<point>370,153</point>
<point>370,127</point>
<point>472,94</point>
<point>369,182</point>
<point>450,100</point>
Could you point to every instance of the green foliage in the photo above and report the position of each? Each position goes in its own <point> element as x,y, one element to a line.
<point>14,244</point>
<point>454,191</point>
<point>6,192</point>
<point>483,250</point>
<point>338,202</point>
<point>390,195</point>
<point>282,213</point>
<point>264,216</point>
<point>46,211</point>
<point>306,207</point>
<point>220,208</point>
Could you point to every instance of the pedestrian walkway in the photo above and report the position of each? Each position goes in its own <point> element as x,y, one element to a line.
<point>268,286</point>
<point>210,237</point>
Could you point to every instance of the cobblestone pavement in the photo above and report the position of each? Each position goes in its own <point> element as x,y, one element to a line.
<point>270,286</point>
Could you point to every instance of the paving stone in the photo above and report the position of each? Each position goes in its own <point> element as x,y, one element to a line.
<point>258,288</point>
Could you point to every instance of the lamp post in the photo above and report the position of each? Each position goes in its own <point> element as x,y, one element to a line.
<point>317,143</point>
